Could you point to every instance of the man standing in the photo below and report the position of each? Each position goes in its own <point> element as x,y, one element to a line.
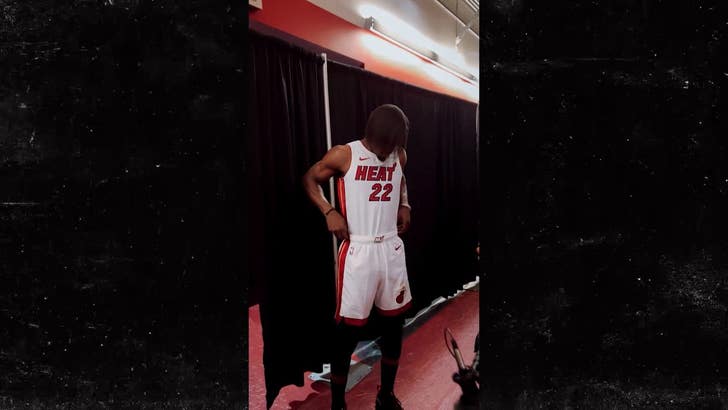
<point>371,264</point>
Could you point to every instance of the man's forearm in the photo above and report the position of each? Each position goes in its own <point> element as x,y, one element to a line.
<point>316,194</point>
<point>403,199</point>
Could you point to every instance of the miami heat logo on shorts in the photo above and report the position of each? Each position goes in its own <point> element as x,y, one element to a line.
<point>400,297</point>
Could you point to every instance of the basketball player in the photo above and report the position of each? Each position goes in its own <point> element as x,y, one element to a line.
<point>371,267</point>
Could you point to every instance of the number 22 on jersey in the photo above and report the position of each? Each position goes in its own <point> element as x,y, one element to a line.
<point>377,189</point>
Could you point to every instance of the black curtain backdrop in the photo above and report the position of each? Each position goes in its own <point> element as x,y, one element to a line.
<point>441,173</point>
<point>291,262</point>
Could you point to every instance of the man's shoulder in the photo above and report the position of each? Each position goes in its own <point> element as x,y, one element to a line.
<point>339,157</point>
<point>341,149</point>
<point>402,156</point>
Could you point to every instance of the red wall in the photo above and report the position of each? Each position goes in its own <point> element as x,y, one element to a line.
<point>312,23</point>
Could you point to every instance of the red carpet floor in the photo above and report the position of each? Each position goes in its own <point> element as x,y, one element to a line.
<point>424,378</point>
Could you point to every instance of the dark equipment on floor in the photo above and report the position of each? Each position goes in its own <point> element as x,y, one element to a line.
<point>467,376</point>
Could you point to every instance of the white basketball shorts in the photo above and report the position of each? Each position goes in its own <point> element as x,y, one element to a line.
<point>371,272</point>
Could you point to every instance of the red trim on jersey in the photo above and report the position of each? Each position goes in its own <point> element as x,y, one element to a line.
<point>342,196</point>
<point>340,277</point>
<point>395,312</point>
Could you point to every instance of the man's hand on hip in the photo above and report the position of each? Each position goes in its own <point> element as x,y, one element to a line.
<point>337,225</point>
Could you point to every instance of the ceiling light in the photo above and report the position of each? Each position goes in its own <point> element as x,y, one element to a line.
<point>374,26</point>
<point>416,43</point>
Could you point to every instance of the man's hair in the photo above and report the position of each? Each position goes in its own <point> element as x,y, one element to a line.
<point>387,125</point>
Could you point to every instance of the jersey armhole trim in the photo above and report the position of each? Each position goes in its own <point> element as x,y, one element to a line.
<point>351,159</point>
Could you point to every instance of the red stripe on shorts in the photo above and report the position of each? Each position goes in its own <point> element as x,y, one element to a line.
<point>355,322</point>
<point>395,312</point>
<point>340,277</point>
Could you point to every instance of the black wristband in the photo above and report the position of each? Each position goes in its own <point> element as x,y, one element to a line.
<point>329,211</point>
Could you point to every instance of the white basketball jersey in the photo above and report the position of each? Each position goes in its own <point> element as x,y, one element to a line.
<point>369,192</point>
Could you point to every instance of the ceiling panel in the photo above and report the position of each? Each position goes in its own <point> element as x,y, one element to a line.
<point>450,4</point>
<point>465,10</point>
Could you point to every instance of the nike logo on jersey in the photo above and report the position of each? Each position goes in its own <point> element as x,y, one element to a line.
<point>374,173</point>
<point>363,158</point>
<point>396,248</point>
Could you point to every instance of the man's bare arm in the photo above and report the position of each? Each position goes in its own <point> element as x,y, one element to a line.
<point>403,214</point>
<point>335,162</point>
<point>403,198</point>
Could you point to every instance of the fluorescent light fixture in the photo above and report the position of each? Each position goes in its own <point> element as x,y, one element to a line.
<point>395,27</point>
<point>372,25</point>
<point>388,50</point>
<point>456,62</point>
<point>396,31</point>
<point>456,72</point>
